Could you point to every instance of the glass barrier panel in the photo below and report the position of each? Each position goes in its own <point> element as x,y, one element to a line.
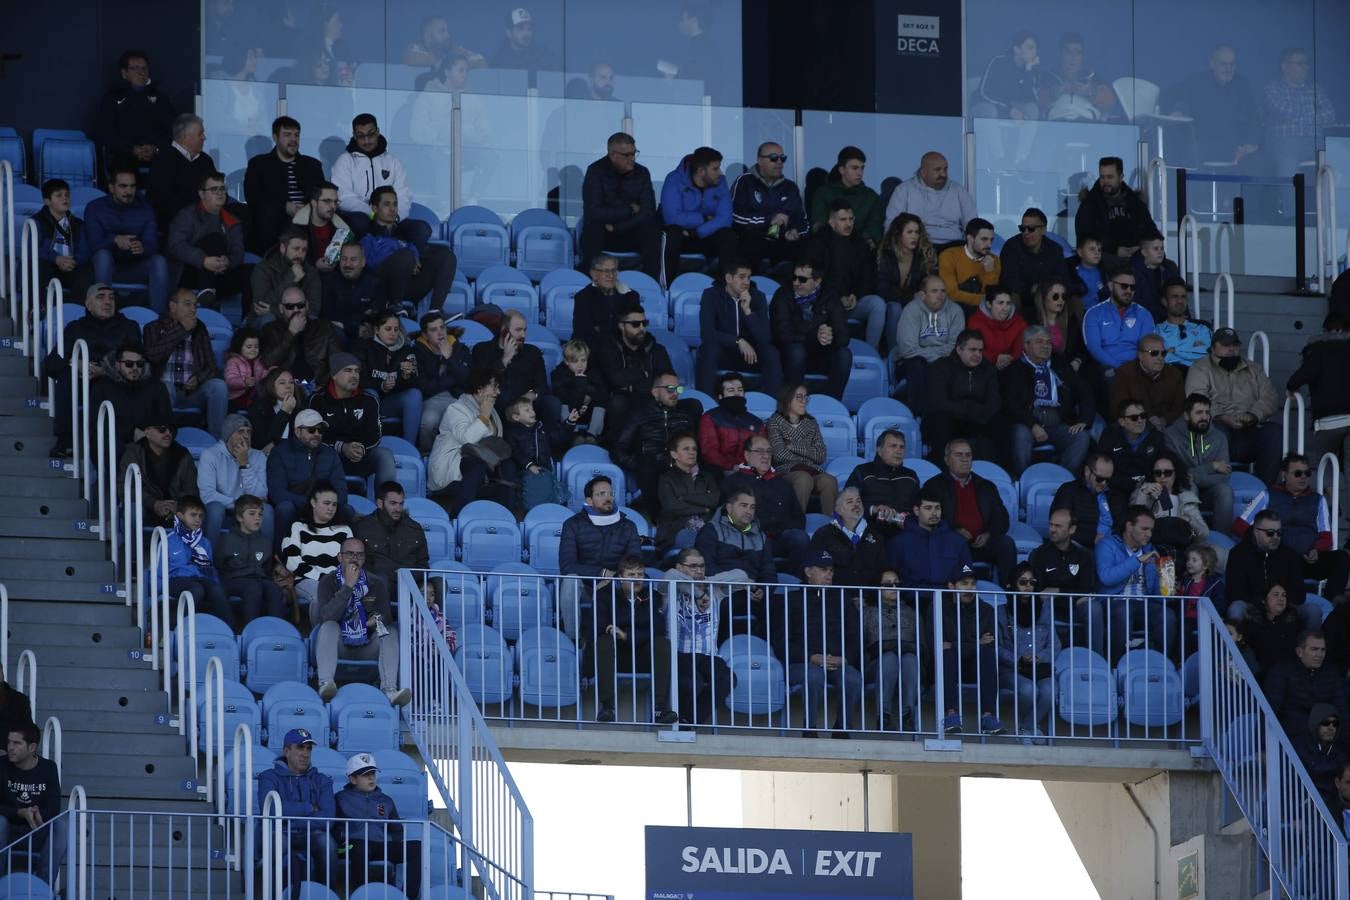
<point>893,144</point>
<point>238,117</point>
<point>499,136</point>
<point>572,135</point>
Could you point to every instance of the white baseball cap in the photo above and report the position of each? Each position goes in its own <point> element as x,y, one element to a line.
<point>360,763</point>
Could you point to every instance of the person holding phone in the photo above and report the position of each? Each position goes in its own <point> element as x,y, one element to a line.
<point>355,622</point>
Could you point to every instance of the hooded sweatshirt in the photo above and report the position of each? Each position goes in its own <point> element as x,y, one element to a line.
<point>944,211</point>
<point>927,334</point>
<point>357,175</point>
<point>380,360</point>
<point>303,795</point>
<point>700,210</point>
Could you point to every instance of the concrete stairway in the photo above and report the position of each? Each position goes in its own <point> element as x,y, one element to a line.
<point>65,607</point>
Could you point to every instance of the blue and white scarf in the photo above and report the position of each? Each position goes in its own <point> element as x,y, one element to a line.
<point>856,533</point>
<point>354,632</point>
<point>1045,390</point>
<point>196,544</point>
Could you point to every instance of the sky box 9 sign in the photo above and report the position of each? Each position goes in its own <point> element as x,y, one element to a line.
<point>763,864</point>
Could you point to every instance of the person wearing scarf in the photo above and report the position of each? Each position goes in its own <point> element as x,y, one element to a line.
<point>190,566</point>
<point>1045,402</point>
<point>167,472</point>
<point>592,543</point>
<point>858,551</point>
<point>355,622</point>
<point>810,329</point>
<point>776,506</point>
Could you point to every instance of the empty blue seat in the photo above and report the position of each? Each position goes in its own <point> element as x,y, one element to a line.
<point>421,213</point>
<point>868,378</point>
<point>760,404</point>
<point>377,890</point>
<point>292,704</point>
<point>274,651</point>
<point>64,153</point>
<point>841,467</point>
<point>1245,488</point>
<point>361,716</point>
<point>485,661</point>
<point>479,239</point>
<point>681,359</point>
<point>685,305</point>
<point>922,468</point>
<point>24,886</point>
<point>541,241</point>
<point>240,707</point>
<point>80,197</point>
<point>521,297</point>
<point>141,315</point>
<point>581,454</point>
<point>878,414</point>
<point>579,475</point>
<point>195,440</point>
<point>644,528</point>
<point>361,506</point>
<point>559,299</point>
<point>761,683</point>
<point>542,532</point>
<point>836,425</point>
<point>312,890</point>
<point>547,662</point>
<point>435,521</point>
<point>331,763</point>
<point>461,598</point>
<point>690,281</point>
<point>1150,689</point>
<point>27,201</point>
<point>474,332</point>
<point>1085,688</point>
<point>409,470</point>
<point>767,286</point>
<point>487,535</point>
<point>13,151</point>
<point>214,639</point>
<point>1037,488</point>
<point>520,598</point>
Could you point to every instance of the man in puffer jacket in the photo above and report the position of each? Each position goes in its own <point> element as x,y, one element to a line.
<point>723,430</point>
<point>306,793</point>
<point>366,165</point>
<point>696,210</point>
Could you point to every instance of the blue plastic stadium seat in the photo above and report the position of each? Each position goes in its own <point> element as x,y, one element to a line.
<point>23,886</point>
<point>435,521</point>
<point>542,531</point>
<point>361,506</point>
<point>293,704</point>
<point>141,315</point>
<point>1245,488</point>
<point>425,214</point>
<point>461,598</point>
<point>409,470</point>
<point>1150,689</point>
<point>1085,687</point>
<point>547,662</point>
<point>377,890</point>
<point>363,719</point>
<point>12,150</point>
<point>559,289</point>
<point>541,241</point>
<point>521,600</point>
<point>841,467</point>
<point>485,659</point>
<point>405,781</point>
<point>62,153</point>
<point>867,379</point>
<point>836,425</point>
<point>274,651</point>
<point>685,304</point>
<point>487,535</point>
<point>681,359</point>
<point>240,707</point>
<point>479,239</point>
<point>582,454</point>
<point>761,686</point>
<point>760,404</point>
<point>214,639</point>
<point>1037,488</point>
<point>579,475</point>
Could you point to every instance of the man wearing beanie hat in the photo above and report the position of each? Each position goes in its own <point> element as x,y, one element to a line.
<point>306,793</point>
<point>353,420</point>
<point>361,798</point>
<point>230,468</point>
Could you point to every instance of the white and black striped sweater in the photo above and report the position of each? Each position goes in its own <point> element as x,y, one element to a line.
<point>311,551</point>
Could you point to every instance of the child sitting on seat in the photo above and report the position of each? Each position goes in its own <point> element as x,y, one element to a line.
<point>190,565</point>
<point>361,844</point>
<point>243,559</point>
<point>582,395</point>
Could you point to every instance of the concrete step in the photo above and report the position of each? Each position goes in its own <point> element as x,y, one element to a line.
<point>79,767</point>
<point>27,445</point>
<point>42,506</point>
<point>75,637</point>
<point>104,722</point>
<point>40,547</point>
<point>15,364</point>
<point>146,744</point>
<point>62,571</point>
<point>23,407</point>
<point>77,590</point>
<point>65,529</point>
<point>25,426</point>
<point>13,485</point>
<point>18,386</point>
<point>57,669</point>
<point>44,612</point>
<point>123,882</point>
<point>39,466</point>
<point>180,807</point>
<point>145,787</point>
<point>91,698</point>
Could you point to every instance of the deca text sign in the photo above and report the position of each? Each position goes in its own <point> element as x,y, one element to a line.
<point>762,863</point>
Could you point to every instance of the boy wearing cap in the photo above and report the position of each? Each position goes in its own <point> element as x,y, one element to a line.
<point>1242,402</point>
<point>823,649</point>
<point>229,469</point>
<point>306,793</point>
<point>518,49</point>
<point>366,843</point>
<point>353,420</point>
<point>969,653</point>
<point>297,463</point>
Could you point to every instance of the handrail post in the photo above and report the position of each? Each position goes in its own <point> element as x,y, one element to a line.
<point>1293,402</point>
<point>107,477</point>
<point>1157,165</point>
<point>29,286</point>
<point>77,853</point>
<point>133,545</point>
<point>1330,461</point>
<point>56,337</point>
<point>241,783</point>
<point>186,630</point>
<point>159,604</point>
<point>1225,281</point>
<point>214,692</point>
<point>272,845</point>
<point>1261,338</point>
<point>1190,254</point>
<point>79,413</point>
<point>25,682</point>
<point>1326,222</point>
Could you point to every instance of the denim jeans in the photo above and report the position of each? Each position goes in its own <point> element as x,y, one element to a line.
<point>152,271</point>
<point>895,678</point>
<point>1070,449</point>
<point>210,399</point>
<point>844,709</point>
<point>871,311</point>
<point>407,405</point>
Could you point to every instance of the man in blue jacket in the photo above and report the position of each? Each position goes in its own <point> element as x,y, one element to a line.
<point>1111,331</point>
<point>306,793</point>
<point>927,553</point>
<point>120,229</point>
<point>1127,572</point>
<point>733,323</point>
<point>696,210</point>
<point>295,464</point>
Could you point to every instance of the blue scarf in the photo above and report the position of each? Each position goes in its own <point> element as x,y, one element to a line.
<point>354,632</point>
<point>855,535</point>
<point>805,302</point>
<point>194,539</point>
<point>1046,386</point>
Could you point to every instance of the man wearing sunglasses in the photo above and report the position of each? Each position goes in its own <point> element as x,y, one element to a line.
<point>1112,330</point>
<point>205,245</point>
<point>1261,558</point>
<point>1186,339</point>
<point>1032,258</point>
<point>1322,750</point>
<point>646,429</point>
<point>627,358</point>
<point>1093,509</point>
<point>1242,400</point>
<point>1307,524</point>
<point>1132,443</point>
<point>767,211</point>
<point>138,398</point>
<point>1150,380</point>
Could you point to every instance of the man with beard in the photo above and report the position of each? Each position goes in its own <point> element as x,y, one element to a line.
<point>355,294</point>
<point>103,329</point>
<point>277,183</point>
<point>285,265</point>
<point>1186,339</point>
<point>368,165</point>
<point>1112,331</point>
<point>641,445</point>
<point>592,544</point>
<point>1113,211</point>
<point>1151,381</point>
<point>1242,401</point>
<point>353,420</point>
<point>1205,451</point>
<point>627,362</point>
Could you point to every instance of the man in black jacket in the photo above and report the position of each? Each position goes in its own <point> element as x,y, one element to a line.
<point>767,211</point>
<point>963,400</point>
<point>595,307</point>
<point>103,329</point>
<point>1259,560</point>
<point>354,295</point>
<point>1293,687</point>
<point>1046,403</point>
<point>177,172</point>
<point>776,506</point>
<point>134,118</point>
<point>850,270</point>
<point>810,328</point>
<point>1031,258</point>
<point>138,398</point>
<point>858,550</point>
<point>619,206</point>
<point>1114,212</point>
<point>627,363</point>
<point>393,539</point>
<point>971,505</point>
<point>1067,570</point>
<point>353,421</point>
<point>1093,508</point>
<point>277,183</point>
<point>641,445</point>
<point>889,489</point>
<point>630,638</point>
<point>592,543</point>
<point>1132,443</point>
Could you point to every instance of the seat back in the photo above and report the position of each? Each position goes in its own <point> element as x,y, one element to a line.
<point>841,467</point>
<point>559,304</point>
<point>363,719</point>
<point>435,521</point>
<point>681,359</point>
<point>543,248</point>
<point>547,661</point>
<point>214,639</point>
<point>409,470</point>
<point>296,711</point>
<point>837,430</point>
<point>1037,488</point>
<point>868,377</point>
<point>478,245</point>
<point>579,475</point>
<point>274,652</point>
<point>1152,696</point>
<point>487,543</point>
<point>685,305</point>
<point>1007,491</point>
<point>760,404</point>
<point>760,684</point>
<point>521,603</point>
<point>63,153</point>
<point>461,599</point>
<point>12,151</point>
<point>24,886</point>
<point>486,662</point>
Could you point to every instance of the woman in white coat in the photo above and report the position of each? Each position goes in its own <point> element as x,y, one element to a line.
<point>468,420</point>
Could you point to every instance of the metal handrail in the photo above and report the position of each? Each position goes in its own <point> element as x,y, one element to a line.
<point>78,862</point>
<point>105,451</point>
<point>28,285</point>
<point>1223,288</point>
<point>1156,165</point>
<point>1225,228</point>
<point>133,545</point>
<point>7,284</point>
<point>1259,337</point>
<point>25,681</point>
<point>271,846</point>
<point>214,701</point>
<point>1332,462</point>
<point>79,413</point>
<point>186,630</point>
<point>51,742</point>
<point>241,777</point>
<point>1293,402</point>
<point>55,337</point>
<point>158,602</point>
<point>1326,237</point>
<point>1188,241</point>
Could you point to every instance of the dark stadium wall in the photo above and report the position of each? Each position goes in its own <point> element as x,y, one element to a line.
<point>68,57</point>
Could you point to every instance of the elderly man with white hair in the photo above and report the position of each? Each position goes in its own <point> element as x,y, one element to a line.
<point>1045,403</point>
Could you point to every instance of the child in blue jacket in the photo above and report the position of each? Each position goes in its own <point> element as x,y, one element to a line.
<point>367,842</point>
<point>190,561</point>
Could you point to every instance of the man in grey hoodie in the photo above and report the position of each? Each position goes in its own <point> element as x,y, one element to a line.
<point>1205,450</point>
<point>944,206</point>
<point>927,332</point>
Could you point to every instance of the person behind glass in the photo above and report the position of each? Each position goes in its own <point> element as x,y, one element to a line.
<point>353,418</point>
<point>1147,378</point>
<point>926,333</point>
<point>134,118</point>
<point>123,240</point>
<point>277,183</point>
<point>313,542</point>
<point>1199,577</point>
<point>442,363</point>
<point>849,264</point>
<point>821,648</point>
<point>943,206</point>
<point>30,801</point>
<point>191,567</point>
<point>967,270</point>
<point>409,272</point>
<point>366,843</point>
<point>306,793</point>
<point>1295,112</point>
<point>887,486</point>
<point>1113,212</point>
<point>366,166</point>
<point>1242,401</point>
<point>964,398</point>
<point>597,85</point>
<point>999,322</point>
<point>205,244</point>
<point>905,258</point>
<point>104,330</point>
<point>1067,571</point>
<point>229,469</point>
<point>167,472</point>
<point>581,393</point>
<point>1112,331</point>
<point>178,346</point>
<point>767,210</point>
<point>734,329</point>
<point>704,679</point>
<point>969,654</point>
<point>689,495</point>
<point>1027,648</point>
<point>810,329</point>
<point>354,618</point>
<point>1032,257</point>
<point>799,447</point>
<point>176,174</point>
<point>389,372</point>
<point>595,307</point>
<point>971,504</point>
<point>436,46</point>
<point>892,644</point>
<point>780,515</point>
<point>628,358</point>
<point>1073,92</point>
<point>619,206</point>
<point>244,560</point>
<point>1011,86</point>
<point>696,211</point>
<point>1127,580</point>
<point>1271,629</point>
<point>1045,402</point>
<point>244,368</point>
<point>63,245</point>
<point>1169,495</point>
<point>518,49</point>
<point>722,430</point>
<point>1185,339</point>
<point>630,639</point>
<point>139,400</point>
<point>845,183</point>
<point>646,428</point>
<point>858,550</point>
<point>467,420</point>
<point>1307,525</point>
<point>271,411</point>
<point>1152,271</point>
<point>1088,279</point>
<point>284,265</point>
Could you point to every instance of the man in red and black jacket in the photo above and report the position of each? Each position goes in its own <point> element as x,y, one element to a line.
<point>973,508</point>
